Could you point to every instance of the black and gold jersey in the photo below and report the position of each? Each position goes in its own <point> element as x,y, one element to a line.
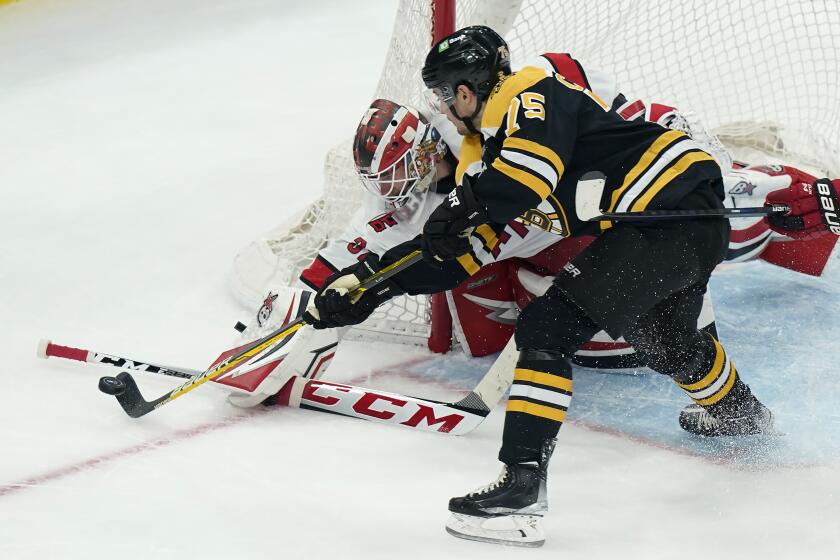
<point>542,133</point>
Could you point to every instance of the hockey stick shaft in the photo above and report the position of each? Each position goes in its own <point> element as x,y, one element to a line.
<point>132,401</point>
<point>700,213</point>
<point>590,189</point>
<point>47,349</point>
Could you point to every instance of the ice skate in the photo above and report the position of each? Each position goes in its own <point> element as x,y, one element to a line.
<point>507,511</point>
<point>699,420</point>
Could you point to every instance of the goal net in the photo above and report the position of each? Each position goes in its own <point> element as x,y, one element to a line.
<point>761,74</point>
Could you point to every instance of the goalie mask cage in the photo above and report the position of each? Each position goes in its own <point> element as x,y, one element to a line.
<point>761,74</point>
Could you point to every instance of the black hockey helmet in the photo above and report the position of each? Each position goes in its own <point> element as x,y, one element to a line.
<point>474,56</point>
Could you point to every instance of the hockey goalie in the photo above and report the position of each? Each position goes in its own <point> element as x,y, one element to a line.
<point>410,161</point>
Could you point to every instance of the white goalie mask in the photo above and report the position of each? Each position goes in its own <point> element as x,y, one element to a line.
<point>395,151</point>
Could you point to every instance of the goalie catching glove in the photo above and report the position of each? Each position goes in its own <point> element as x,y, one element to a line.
<point>813,211</point>
<point>335,307</point>
<point>446,234</point>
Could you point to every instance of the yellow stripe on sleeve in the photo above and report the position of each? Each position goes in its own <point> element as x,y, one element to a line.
<point>537,149</point>
<point>677,169</point>
<point>524,178</point>
<point>644,162</point>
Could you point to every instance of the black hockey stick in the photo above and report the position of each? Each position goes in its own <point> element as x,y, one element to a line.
<point>590,188</point>
<point>700,213</point>
<point>125,389</point>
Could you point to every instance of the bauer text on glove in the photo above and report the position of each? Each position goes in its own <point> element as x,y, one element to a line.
<point>814,209</point>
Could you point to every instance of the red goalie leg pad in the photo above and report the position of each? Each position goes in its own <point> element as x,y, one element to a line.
<point>808,256</point>
<point>485,310</point>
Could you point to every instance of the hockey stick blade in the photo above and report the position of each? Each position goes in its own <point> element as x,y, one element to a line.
<point>383,407</point>
<point>128,394</point>
<point>458,418</point>
<point>135,405</point>
<point>590,189</point>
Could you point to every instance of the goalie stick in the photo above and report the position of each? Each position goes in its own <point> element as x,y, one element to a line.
<point>125,389</point>
<point>590,188</point>
<point>457,418</point>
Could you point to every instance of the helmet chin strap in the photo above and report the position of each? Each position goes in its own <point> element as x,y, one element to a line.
<point>468,121</point>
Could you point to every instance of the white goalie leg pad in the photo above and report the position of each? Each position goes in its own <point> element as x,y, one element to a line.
<point>306,355</point>
<point>508,530</point>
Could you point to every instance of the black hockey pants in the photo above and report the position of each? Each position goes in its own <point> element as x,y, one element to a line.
<point>645,283</point>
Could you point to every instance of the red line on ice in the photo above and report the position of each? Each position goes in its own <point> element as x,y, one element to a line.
<point>163,441</point>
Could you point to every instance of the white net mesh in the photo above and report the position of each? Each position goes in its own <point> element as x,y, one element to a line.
<point>763,74</point>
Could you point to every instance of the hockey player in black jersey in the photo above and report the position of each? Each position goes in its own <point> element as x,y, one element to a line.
<point>539,135</point>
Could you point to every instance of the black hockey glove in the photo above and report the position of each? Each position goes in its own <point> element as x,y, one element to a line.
<point>446,234</point>
<point>335,308</point>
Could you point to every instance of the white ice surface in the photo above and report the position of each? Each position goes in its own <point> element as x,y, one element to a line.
<point>141,144</point>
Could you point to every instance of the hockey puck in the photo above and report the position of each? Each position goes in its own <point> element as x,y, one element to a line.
<point>111,386</point>
<point>240,326</point>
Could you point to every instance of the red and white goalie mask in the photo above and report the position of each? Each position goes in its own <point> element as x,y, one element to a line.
<point>395,151</point>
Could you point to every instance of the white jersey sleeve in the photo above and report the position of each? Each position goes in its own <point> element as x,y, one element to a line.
<point>374,228</point>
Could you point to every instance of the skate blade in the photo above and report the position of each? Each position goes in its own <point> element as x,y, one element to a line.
<point>525,531</point>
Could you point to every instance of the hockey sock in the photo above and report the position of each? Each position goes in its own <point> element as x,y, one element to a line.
<point>539,397</point>
<point>716,385</point>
